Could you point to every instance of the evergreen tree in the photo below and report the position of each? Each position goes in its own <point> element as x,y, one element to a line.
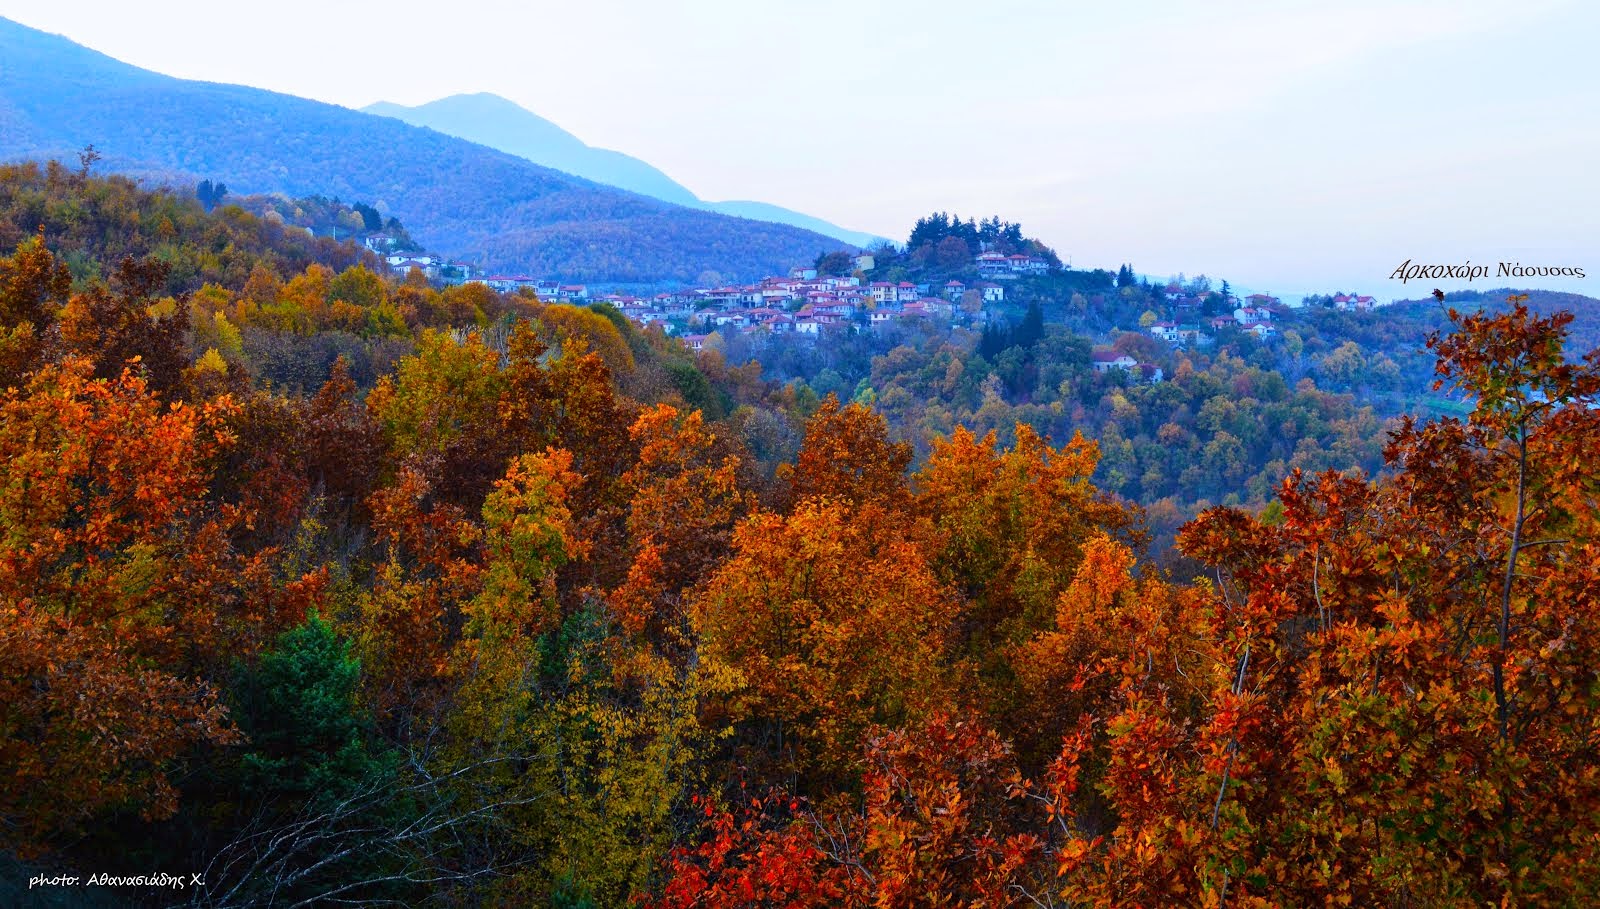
<point>308,737</point>
<point>1031,331</point>
<point>370,218</point>
<point>210,194</point>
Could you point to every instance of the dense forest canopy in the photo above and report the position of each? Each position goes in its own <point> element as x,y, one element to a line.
<point>334,587</point>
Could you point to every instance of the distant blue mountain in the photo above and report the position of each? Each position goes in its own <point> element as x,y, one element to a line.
<point>458,198</point>
<point>498,123</point>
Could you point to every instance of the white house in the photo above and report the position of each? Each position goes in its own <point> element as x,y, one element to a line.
<point>1107,360</point>
<point>992,293</point>
<point>397,260</point>
<point>509,283</point>
<point>1165,331</point>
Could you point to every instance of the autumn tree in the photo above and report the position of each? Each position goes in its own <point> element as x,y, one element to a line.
<point>833,624</point>
<point>113,326</point>
<point>33,287</point>
<point>1394,700</point>
<point>117,588</point>
<point>688,494</point>
<point>848,455</point>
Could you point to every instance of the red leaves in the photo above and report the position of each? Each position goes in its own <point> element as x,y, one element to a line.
<point>755,855</point>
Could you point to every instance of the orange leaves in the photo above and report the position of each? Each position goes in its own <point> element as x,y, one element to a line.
<point>1391,678</point>
<point>1513,364</point>
<point>33,286</point>
<point>1008,527</point>
<point>1104,573</point>
<point>939,801</point>
<point>117,585</point>
<point>833,624</point>
<point>98,476</point>
<point>847,455</point>
<point>686,498</point>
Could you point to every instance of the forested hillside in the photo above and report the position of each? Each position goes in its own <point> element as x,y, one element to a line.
<point>486,207</point>
<point>1226,423</point>
<point>329,588</point>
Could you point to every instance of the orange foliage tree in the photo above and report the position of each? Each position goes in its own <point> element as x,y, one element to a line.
<point>834,624</point>
<point>1401,705</point>
<point>117,588</point>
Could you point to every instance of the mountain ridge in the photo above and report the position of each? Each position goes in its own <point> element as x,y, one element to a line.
<point>499,123</point>
<point>461,199</point>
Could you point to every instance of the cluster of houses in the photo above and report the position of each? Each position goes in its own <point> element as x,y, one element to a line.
<point>546,290</point>
<point>435,268</point>
<point>805,303</point>
<point>801,304</point>
<point>1253,314</point>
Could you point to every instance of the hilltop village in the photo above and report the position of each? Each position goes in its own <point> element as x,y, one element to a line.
<point>806,304</point>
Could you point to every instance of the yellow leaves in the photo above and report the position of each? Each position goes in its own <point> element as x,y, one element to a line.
<point>526,517</point>
<point>212,362</point>
<point>527,534</point>
<point>439,391</point>
<point>586,329</point>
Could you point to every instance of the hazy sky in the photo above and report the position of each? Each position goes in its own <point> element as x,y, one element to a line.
<point>1286,146</point>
